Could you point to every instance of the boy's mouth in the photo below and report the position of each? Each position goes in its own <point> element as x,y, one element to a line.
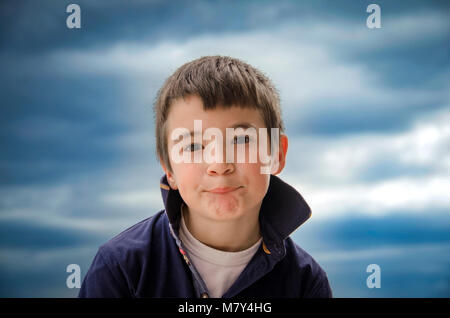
<point>223,190</point>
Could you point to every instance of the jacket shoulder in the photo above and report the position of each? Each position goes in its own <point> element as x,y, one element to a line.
<point>137,238</point>
<point>119,262</point>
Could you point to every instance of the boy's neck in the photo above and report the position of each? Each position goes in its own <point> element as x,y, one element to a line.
<point>229,236</point>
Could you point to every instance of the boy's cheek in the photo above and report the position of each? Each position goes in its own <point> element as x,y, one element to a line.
<point>252,172</point>
<point>187,173</point>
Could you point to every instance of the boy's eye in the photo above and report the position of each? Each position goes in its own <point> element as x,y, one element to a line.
<point>193,147</point>
<point>241,139</point>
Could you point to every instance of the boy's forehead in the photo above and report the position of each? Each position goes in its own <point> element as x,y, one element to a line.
<point>183,112</point>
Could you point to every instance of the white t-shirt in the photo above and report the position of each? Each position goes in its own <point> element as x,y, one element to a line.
<point>219,269</point>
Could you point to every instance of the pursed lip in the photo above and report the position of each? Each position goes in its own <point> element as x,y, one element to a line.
<point>223,190</point>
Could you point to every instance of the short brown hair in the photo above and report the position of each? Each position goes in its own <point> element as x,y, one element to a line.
<point>217,80</point>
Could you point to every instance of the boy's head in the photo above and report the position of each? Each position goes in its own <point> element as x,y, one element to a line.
<point>221,92</point>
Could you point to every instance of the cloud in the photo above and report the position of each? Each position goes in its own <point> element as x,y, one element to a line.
<point>417,270</point>
<point>374,173</point>
<point>357,231</point>
<point>102,204</point>
<point>41,272</point>
<point>325,87</point>
<point>19,234</point>
<point>404,194</point>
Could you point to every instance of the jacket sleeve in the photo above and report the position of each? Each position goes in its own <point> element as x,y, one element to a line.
<point>104,278</point>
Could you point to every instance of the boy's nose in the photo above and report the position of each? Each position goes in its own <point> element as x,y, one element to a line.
<point>220,168</point>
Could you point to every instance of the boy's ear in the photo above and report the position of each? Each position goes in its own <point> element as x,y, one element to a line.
<point>282,151</point>
<point>169,175</point>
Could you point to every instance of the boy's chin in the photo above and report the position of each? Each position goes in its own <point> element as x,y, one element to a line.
<point>223,205</point>
<point>222,211</point>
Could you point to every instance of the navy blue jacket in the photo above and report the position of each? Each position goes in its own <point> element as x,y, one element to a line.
<point>149,260</point>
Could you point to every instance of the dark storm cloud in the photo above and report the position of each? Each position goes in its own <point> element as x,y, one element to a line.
<point>357,231</point>
<point>57,127</point>
<point>341,117</point>
<point>21,234</point>
<point>32,27</point>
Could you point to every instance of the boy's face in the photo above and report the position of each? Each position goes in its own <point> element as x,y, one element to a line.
<point>218,191</point>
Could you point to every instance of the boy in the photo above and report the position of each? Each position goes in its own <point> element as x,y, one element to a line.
<point>226,224</point>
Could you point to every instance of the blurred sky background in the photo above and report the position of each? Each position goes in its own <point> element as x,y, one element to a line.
<point>367,112</point>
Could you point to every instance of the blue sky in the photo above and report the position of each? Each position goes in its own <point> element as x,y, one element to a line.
<point>367,112</point>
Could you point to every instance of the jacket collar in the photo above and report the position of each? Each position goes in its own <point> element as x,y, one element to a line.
<point>282,211</point>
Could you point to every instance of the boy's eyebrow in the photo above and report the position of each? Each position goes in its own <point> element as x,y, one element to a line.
<point>244,125</point>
